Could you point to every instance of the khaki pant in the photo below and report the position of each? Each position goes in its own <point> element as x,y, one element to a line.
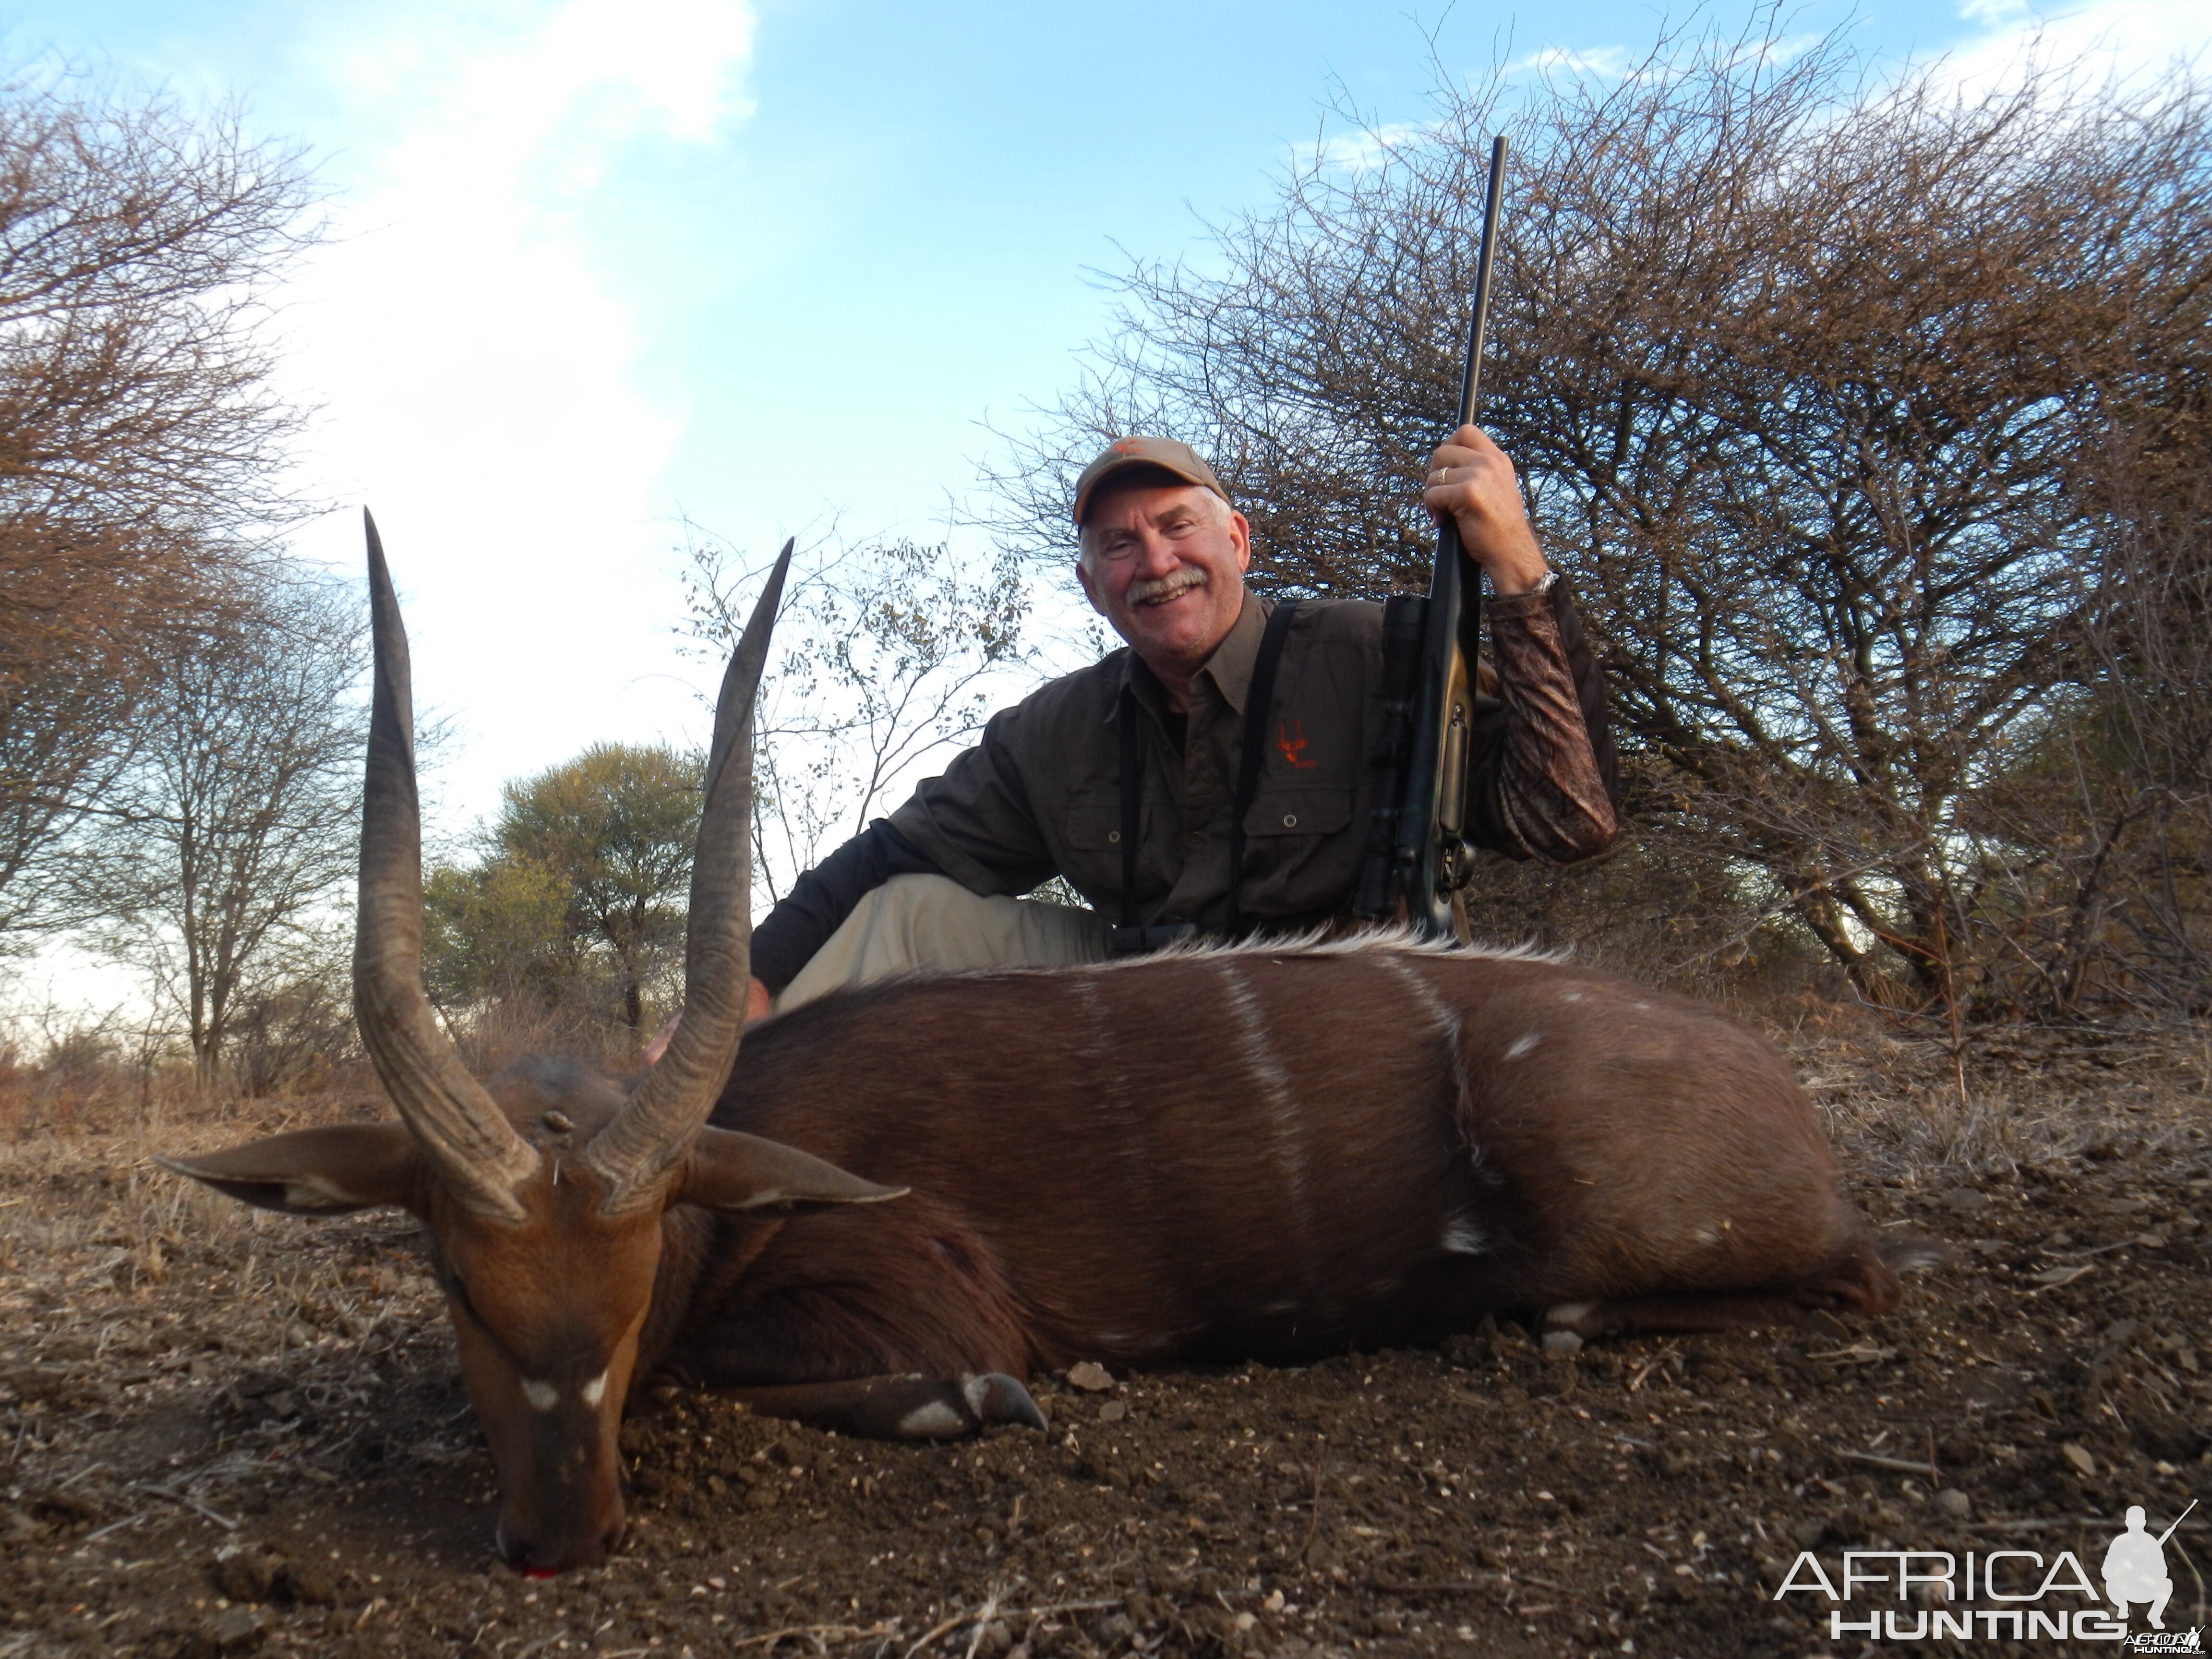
<point>924,922</point>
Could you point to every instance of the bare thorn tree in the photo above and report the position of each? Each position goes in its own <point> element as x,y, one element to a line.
<point>139,441</point>
<point>892,654</point>
<point>1824,384</point>
<point>237,821</point>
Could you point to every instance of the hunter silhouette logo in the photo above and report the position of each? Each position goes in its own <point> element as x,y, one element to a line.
<point>1294,748</point>
<point>2002,1595</point>
<point>2135,1567</point>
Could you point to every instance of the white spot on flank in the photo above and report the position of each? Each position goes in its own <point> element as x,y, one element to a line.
<point>595,1389</point>
<point>1521,1045</point>
<point>935,1421</point>
<point>1570,996</point>
<point>1280,1308</point>
<point>542,1396</point>
<point>1568,1315</point>
<point>1462,1238</point>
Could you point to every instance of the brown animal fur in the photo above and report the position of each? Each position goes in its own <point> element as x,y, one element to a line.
<point>1254,1153</point>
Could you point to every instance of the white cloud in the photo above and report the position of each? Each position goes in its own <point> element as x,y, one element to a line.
<point>1369,148</point>
<point>2122,38</point>
<point>1603,63</point>
<point>469,340</point>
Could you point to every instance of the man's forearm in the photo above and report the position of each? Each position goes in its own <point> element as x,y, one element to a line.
<point>1555,781</point>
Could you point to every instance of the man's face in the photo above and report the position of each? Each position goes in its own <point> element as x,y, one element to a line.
<point>1165,565</point>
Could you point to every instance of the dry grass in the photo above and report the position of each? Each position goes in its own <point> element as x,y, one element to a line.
<point>1914,1111</point>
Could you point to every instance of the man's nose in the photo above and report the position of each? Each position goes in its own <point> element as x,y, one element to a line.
<point>1154,556</point>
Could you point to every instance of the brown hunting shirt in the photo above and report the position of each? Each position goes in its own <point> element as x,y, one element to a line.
<point>1040,795</point>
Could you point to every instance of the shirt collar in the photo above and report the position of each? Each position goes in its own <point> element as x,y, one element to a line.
<point>1230,667</point>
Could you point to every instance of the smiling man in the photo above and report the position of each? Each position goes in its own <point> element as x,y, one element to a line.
<point>1130,778</point>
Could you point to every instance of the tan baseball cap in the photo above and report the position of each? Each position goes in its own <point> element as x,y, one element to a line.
<point>1160,454</point>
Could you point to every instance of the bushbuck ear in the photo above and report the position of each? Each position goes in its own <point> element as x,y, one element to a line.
<point>349,1166</point>
<point>728,1170</point>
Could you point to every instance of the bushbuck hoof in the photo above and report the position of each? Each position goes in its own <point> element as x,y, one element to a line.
<point>967,1404</point>
<point>994,1397</point>
<point>910,1407</point>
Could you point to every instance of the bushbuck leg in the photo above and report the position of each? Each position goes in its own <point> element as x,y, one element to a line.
<point>1862,1281</point>
<point>898,1407</point>
<point>807,1355</point>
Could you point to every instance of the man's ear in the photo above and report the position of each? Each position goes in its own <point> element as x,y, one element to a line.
<point>728,1170</point>
<point>1082,575</point>
<point>349,1166</point>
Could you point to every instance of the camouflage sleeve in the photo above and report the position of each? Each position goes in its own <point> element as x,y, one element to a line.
<point>1552,797</point>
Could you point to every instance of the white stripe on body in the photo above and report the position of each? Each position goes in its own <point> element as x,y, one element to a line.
<point>1450,1030</point>
<point>1266,1066</point>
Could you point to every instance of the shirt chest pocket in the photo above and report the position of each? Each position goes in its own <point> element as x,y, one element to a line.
<point>1094,822</point>
<point>1315,812</point>
<point>1092,859</point>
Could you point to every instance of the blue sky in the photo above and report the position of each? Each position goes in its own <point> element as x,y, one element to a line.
<point>599,264</point>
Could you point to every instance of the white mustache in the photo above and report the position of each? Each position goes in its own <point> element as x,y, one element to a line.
<point>1159,590</point>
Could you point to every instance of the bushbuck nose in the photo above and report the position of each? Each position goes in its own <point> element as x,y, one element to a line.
<point>532,1555</point>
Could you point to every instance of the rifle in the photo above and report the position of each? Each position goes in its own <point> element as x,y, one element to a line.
<point>1416,854</point>
<point>2176,1526</point>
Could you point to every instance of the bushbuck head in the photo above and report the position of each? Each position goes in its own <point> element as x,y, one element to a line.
<point>542,1191</point>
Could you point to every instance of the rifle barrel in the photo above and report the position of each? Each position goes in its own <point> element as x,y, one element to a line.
<point>1470,385</point>
<point>1452,625</point>
<point>2176,1526</point>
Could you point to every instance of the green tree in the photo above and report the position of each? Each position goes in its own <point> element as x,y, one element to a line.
<point>585,875</point>
<point>496,929</point>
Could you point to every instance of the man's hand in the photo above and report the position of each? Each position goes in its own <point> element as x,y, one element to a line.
<point>1470,478</point>
<point>757,1009</point>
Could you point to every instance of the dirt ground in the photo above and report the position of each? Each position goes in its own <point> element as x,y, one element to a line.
<point>225,1434</point>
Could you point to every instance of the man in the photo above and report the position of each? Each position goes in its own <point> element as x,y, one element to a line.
<point>1163,558</point>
